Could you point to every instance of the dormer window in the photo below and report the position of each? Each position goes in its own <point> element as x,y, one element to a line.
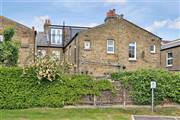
<point>56,36</point>
<point>152,49</point>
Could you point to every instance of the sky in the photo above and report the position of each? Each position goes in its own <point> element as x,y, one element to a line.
<point>161,17</point>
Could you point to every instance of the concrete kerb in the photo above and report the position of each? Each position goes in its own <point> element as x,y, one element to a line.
<point>119,106</point>
<point>155,116</point>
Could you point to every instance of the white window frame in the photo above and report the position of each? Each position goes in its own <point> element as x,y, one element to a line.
<point>87,44</point>
<point>54,35</point>
<point>43,53</point>
<point>134,44</point>
<point>111,52</point>
<point>154,49</point>
<point>167,59</point>
<point>56,54</point>
<point>1,38</point>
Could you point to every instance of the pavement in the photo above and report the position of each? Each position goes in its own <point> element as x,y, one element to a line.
<point>144,117</point>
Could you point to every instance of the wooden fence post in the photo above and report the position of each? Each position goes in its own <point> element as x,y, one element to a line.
<point>124,98</point>
<point>94,100</point>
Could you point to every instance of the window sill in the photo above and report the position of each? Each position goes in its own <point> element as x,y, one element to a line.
<point>153,52</point>
<point>169,66</point>
<point>133,60</point>
<point>110,53</point>
<point>87,49</point>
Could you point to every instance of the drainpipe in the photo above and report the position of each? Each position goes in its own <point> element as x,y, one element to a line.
<point>78,47</point>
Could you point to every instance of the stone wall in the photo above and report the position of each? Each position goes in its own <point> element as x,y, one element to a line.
<point>49,51</point>
<point>23,35</point>
<point>97,62</point>
<point>108,98</point>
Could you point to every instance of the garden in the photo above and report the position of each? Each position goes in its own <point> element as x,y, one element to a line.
<point>41,90</point>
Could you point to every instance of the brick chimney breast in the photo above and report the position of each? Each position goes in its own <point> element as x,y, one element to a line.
<point>46,25</point>
<point>110,14</point>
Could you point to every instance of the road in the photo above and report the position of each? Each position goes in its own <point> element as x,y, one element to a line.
<point>143,117</point>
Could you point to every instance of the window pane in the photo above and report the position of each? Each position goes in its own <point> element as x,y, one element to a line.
<point>170,62</point>
<point>110,49</point>
<point>110,46</point>
<point>110,42</point>
<point>132,50</point>
<point>151,48</point>
<point>170,55</point>
<point>87,44</point>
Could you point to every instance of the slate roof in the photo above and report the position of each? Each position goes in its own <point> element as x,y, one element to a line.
<point>172,44</point>
<point>42,39</point>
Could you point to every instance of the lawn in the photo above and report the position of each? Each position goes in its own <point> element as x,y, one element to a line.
<point>82,114</point>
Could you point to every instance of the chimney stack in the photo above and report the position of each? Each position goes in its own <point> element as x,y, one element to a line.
<point>110,15</point>
<point>46,25</point>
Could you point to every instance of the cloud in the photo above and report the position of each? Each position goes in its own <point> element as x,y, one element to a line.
<point>168,24</point>
<point>174,24</point>
<point>87,25</point>
<point>38,22</point>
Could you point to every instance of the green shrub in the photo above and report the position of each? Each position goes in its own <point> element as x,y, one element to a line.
<point>24,91</point>
<point>8,49</point>
<point>138,85</point>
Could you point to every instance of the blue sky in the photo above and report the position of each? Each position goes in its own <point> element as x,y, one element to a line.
<point>161,17</point>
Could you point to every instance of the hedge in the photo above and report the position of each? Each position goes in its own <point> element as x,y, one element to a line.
<point>138,85</point>
<point>23,91</point>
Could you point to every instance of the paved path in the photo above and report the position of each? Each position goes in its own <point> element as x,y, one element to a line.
<point>143,117</point>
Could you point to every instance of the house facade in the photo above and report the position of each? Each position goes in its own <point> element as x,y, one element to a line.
<point>170,55</point>
<point>24,36</point>
<point>113,46</point>
<point>54,38</point>
<point>116,45</point>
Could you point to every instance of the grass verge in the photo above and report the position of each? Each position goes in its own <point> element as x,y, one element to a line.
<point>83,114</point>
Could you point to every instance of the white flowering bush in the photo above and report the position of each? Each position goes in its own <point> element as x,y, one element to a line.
<point>48,68</point>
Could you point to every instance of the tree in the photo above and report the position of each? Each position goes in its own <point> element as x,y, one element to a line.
<point>8,49</point>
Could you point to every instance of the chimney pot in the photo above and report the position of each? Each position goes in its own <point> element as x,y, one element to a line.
<point>33,28</point>
<point>48,21</point>
<point>121,15</point>
<point>110,13</point>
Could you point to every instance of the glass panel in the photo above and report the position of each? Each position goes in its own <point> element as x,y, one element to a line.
<point>110,42</point>
<point>87,44</point>
<point>170,62</point>
<point>170,55</point>
<point>152,48</point>
<point>110,49</point>
<point>131,51</point>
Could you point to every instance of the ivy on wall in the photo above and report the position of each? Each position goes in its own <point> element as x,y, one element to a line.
<point>8,49</point>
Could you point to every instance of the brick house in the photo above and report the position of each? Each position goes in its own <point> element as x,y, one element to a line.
<point>115,45</point>
<point>54,38</point>
<point>23,35</point>
<point>170,55</point>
